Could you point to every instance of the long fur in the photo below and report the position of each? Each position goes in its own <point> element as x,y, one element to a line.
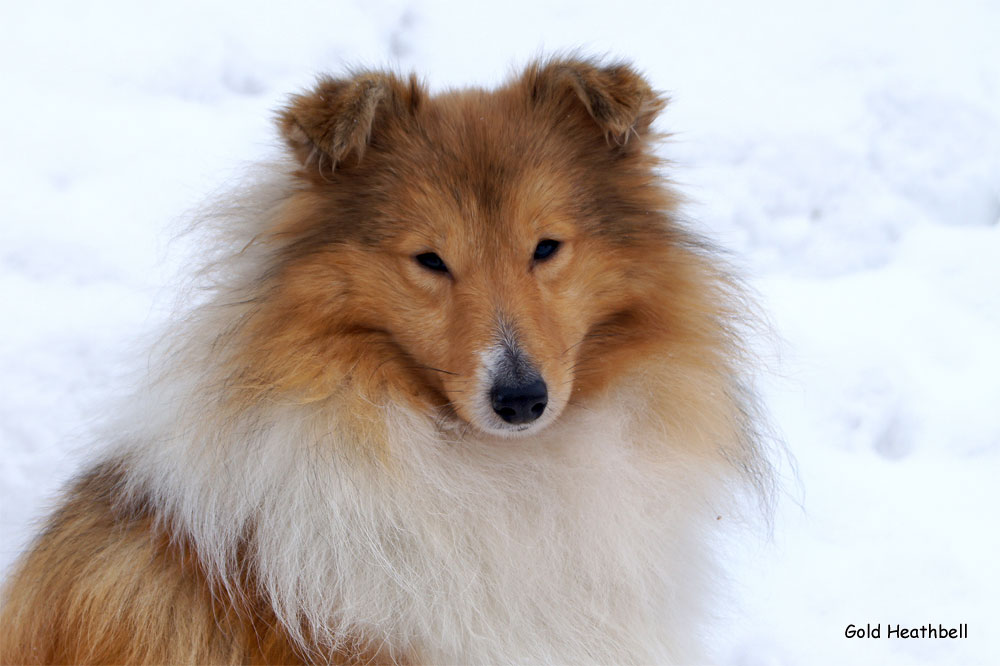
<point>345,522</point>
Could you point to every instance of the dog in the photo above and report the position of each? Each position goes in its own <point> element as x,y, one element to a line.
<point>458,385</point>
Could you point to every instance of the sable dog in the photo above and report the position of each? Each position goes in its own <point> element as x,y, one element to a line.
<point>462,390</point>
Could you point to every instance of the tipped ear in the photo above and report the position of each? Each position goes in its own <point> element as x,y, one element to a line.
<point>617,98</point>
<point>336,119</point>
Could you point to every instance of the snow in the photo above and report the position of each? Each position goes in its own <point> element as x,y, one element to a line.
<point>847,153</point>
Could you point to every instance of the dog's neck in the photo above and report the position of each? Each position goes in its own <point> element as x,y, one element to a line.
<point>570,546</point>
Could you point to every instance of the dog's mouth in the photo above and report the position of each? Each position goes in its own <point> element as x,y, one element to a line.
<point>511,431</point>
<point>457,419</point>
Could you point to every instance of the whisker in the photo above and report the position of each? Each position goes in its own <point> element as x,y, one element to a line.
<point>575,344</point>
<point>427,367</point>
<point>593,335</point>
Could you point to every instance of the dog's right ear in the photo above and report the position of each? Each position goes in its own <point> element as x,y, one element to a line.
<point>335,121</point>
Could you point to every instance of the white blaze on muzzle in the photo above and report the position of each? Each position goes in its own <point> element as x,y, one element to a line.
<point>514,392</point>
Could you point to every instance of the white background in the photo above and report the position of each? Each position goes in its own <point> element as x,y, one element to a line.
<point>847,153</point>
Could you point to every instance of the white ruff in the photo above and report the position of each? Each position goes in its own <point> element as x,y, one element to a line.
<point>569,547</point>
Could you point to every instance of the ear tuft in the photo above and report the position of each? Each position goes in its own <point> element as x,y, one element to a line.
<point>336,119</point>
<point>617,97</point>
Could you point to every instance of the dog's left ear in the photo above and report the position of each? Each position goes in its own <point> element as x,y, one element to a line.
<point>618,99</point>
<point>332,125</point>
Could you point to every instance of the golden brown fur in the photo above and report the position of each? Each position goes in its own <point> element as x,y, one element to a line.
<point>105,585</point>
<point>336,315</point>
<point>102,575</point>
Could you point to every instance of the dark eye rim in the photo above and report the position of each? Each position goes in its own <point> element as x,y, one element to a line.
<point>432,262</point>
<point>546,249</point>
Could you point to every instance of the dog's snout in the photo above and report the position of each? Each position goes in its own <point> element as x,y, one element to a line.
<point>520,403</point>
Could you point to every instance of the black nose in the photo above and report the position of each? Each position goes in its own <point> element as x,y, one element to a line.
<point>520,403</point>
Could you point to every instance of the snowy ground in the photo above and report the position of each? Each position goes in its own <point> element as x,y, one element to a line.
<point>848,153</point>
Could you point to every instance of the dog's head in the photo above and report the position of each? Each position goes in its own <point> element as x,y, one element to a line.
<point>496,255</point>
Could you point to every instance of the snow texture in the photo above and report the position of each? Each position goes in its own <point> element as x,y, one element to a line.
<point>847,153</point>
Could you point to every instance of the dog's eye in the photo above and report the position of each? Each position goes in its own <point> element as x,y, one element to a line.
<point>546,249</point>
<point>431,261</point>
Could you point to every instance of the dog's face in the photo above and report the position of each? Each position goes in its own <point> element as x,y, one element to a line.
<point>490,268</point>
<point>486,250</point>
